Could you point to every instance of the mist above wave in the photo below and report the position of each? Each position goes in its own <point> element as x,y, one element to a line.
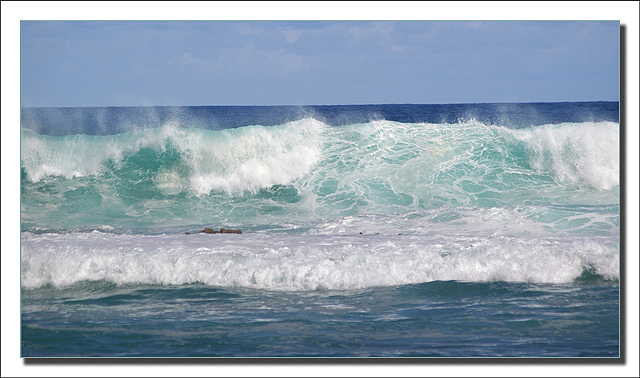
<point>306,170</point>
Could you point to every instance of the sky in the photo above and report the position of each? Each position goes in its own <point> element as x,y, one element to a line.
<point>131,63</point>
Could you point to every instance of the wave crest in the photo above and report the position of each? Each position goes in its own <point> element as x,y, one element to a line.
<point>305,170</point>
<point>235,160</point>
<point>252,158</point>
<point>585,154</point>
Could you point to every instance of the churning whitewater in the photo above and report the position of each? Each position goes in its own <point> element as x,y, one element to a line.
<point>360,205</point>
<point>374,230</point>
<point>306,170</point>
<point>307,263</point>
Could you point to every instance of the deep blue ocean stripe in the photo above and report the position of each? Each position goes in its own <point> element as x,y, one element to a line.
<point>112,120</point>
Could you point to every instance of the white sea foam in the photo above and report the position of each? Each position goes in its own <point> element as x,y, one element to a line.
<point>251,158</point>
<point>234,160</point>
<point>85,155</point>
<point>585,154</point>
<point>408,156</point>
<point>69,157</point>
<point>307,262</point>
<point>304,171</point>
<point>529,221</point>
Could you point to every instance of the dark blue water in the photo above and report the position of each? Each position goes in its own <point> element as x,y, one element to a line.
<point>468,230</point>
<point>109,120</point>
<point>437,319</point>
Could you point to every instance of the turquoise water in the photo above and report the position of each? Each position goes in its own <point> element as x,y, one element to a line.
<point>306,171</point>
<point>480,230</point>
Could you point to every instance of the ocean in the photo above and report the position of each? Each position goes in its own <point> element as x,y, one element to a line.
<point>404,231</point>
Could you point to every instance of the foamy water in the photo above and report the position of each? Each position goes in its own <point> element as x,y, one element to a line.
<point>379,230</point>
<point>309,262</point>
<point>306,170</point>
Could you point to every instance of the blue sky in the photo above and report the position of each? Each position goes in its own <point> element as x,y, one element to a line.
<point>126,63</point>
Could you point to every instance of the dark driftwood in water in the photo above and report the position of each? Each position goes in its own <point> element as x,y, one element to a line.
<point>208,230</point>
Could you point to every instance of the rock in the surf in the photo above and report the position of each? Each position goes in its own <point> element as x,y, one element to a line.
<point>208,230</point>
<point>225,231</point>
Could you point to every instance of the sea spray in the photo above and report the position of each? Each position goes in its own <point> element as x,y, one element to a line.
<point>306,170</point>
<point>461,230</point>
<point>585,154</point>
<point>251,158</point>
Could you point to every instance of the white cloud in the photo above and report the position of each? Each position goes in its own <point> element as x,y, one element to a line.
<point>188,60</point>
<point>283,62</point>
<point>360,33</point>
<point>397,48</point>
<point>291,35</point>
<point>261,61</point>
<point>247,29</point>
<point>474,25</point>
